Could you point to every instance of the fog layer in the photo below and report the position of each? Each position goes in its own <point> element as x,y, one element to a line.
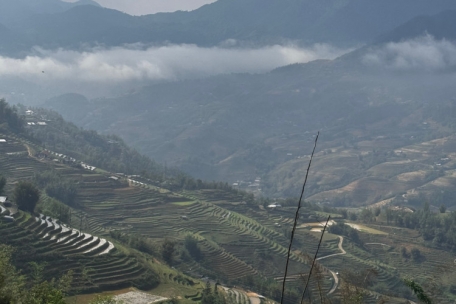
<point>156,63</point>
<point>423,53</point>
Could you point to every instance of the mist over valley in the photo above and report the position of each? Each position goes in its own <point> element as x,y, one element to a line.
<point>160,157</point>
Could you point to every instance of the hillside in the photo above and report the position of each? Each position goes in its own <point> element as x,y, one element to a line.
<point>441,26</point>
<point>241,242</point>
<point>241,127</point>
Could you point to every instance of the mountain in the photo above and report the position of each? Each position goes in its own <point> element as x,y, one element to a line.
<point>14,11</point>
<point>440,26</point>
<point>14,42</point>
<point>257,22</point>
<point>335,21</point>
<point>243,127</point>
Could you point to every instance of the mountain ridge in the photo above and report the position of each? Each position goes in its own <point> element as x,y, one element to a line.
<point>206,126</point>
<point>340,22</point>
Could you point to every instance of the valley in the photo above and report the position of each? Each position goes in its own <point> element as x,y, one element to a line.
<point>240,241</point>
<point>158,158</point>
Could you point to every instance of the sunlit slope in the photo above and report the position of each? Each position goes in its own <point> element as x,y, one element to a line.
<point>404,172</point>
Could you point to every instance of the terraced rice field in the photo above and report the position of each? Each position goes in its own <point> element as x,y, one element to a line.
<point>231,234</point>
<point>412,169</point>
<point>229,240</point>
<point>436,267</point>
<point>96,263</point>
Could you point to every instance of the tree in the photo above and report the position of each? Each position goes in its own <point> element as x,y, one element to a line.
<point>418,291</point>
<point>12,284</point>
<point>191,244</point>
<point>46,293</point>
<point>168,250</point>
<point>207,297</point>
<point>416,254</point>
<point>344,213</point>
<point>442,208</point>
<point>354,236</point>
<point>2,183</point>
<point>26,196</point>
<point>404,252</point>
<point>377,211</point>
<point>9,116</point>
<point>426,207</point>
<point>37,271</point>
<point>366,215</point>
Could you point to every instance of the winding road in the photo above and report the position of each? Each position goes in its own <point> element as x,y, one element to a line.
<point>336,278</point>
<point>334,274</point>
<point>341,241</point>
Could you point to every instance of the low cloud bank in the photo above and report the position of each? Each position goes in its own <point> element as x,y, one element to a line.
<point>423,53</point>
<point>156,63</point>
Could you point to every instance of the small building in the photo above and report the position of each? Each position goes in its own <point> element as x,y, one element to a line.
<point>29,113</point>
<point>184,217</point>
<point>41,123</point>
<point>2,140</point>
<point>3,199</point>
<point>114,178</point>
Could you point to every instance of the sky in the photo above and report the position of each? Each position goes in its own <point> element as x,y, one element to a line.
<point>143,7</point>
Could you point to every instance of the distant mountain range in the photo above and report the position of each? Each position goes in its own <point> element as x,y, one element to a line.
<point>239,127</point>
<point>57,24</point>
<point>440,26</point>
<point>15,11</point>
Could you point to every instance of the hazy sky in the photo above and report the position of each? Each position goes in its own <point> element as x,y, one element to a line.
<point>143,7</point>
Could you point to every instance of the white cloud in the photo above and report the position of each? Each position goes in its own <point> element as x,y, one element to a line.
<point>156,63</point>
<point>423,53</point>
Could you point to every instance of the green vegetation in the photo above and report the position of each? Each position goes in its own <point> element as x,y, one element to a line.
<point>191,244</point>
<point>26,195</point>
<point>224,234</point>
<point>212,296</point>
<point>14,287</point>
<point>2,183</point>
<point>168,251</point>
<point>418,290</point>
<point>56,186</point>
<point>9,119</point>
<point>55,209</point>
<point>437,229</point>
<point>342,229</point>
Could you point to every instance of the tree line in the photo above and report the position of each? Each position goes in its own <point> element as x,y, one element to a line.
<point>9,118</point>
